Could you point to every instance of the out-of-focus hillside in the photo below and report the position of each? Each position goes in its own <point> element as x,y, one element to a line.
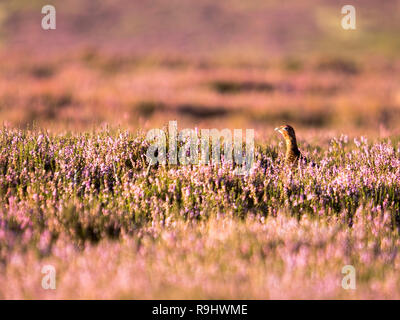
<point>205,63</point>
<point>205,27</point>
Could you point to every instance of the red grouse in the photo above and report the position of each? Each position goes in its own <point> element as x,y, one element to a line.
<point>293,154</point>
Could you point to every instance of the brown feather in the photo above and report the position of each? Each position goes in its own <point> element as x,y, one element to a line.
<point>293,154</point>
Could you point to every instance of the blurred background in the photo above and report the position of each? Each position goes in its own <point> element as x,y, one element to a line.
<point>231,63</point>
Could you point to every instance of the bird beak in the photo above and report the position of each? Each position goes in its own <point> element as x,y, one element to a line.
<point>278,129</point>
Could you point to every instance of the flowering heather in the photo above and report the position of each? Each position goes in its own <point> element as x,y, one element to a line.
<point>86,204</point>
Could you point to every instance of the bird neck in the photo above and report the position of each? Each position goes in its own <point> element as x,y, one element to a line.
<point>291,146</point>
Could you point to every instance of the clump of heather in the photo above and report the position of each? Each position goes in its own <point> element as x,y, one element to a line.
<point>87,204</point>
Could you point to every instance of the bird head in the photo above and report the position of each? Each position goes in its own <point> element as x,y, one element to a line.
<point>286,131</point>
